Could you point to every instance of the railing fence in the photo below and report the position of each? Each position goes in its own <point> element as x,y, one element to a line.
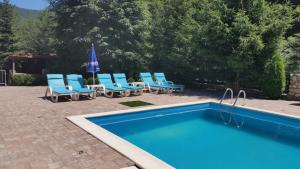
<point>2,77</point>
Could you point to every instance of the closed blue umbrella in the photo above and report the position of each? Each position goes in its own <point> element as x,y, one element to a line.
<point>92,65</point>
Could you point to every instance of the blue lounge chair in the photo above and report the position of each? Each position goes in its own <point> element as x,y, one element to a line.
<point>152,86</point>
<point>75,83</point>
<point>56,87</point>
<point>120,79</point>
<point>161,79</point>
<point>109,87</point>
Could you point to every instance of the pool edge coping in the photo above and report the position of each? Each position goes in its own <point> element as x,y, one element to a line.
<point>139,156</point>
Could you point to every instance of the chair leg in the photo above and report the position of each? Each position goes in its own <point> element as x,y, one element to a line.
<point>46,94</point>
<point>169,91</point>
<point>76,96</point>
<point>156,90</point>
<point>54,98</point>
<point>73,96</point>
<point>122,93</point>
<point>107,95</point>
<point>94,95</point>
<point>149,89</point>
<point>127,93</point>
<point>138,92</point>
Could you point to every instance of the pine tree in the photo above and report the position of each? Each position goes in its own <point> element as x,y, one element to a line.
<point>6,31</point>
<point>121,29</point>
<point>36,35</point>
<point>170,36</point>
<point>115,27</point>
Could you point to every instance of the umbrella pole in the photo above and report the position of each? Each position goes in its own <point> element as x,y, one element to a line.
<point>93,78</point>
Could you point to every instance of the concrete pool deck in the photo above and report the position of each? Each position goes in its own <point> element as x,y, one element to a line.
<point>34,133</point>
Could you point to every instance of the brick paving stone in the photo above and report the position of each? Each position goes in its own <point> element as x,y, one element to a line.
<point>35,134</point>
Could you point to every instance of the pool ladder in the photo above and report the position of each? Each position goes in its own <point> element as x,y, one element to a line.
<point>227,120</point>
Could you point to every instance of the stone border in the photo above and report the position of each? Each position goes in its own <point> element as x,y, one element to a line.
<point>294,87</point>
<point>142,158</point>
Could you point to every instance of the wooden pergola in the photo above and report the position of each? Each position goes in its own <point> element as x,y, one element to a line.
<point>37,61</point>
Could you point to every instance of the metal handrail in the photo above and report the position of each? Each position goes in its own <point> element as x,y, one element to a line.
<point>231,116</point>
<point>238,96</point>
<point>3,77</point>
<point>224,95</point>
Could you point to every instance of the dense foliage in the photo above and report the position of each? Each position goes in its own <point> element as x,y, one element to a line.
<point>6,31</point>
<point>240,43</point>
<point>113,26</point>
<point>274,77</point>
<point>29,80</point>
<point>211,41</point>
<point>292,53</point>
<point>36,35</point>
<point>216,41</point>
<point>25,15</point>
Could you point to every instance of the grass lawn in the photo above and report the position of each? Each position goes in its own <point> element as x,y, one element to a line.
<point>135,103</point>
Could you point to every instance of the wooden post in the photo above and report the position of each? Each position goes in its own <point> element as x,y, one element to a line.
<point>13,67</point>
<point>13,71</point>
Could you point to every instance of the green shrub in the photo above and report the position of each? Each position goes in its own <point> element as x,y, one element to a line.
<point>24,80</point>
<point>89,81</point>
<point>29,80</point>
<point>274,77</point>
<point>131,79</point>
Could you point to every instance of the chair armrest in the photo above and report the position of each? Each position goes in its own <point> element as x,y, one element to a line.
<point>131,84</point>
<point>160,83</point>
<point>170,82</point>
<point>49,89</point>
<point>94,86</point>
<point>118,84</point>
<point>101,85</point>
<point>69,87</point>
<point>139,84</point>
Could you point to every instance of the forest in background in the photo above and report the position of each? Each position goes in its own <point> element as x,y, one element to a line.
<point>240,43</point>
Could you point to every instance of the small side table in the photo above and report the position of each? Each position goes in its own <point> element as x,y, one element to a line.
<point>99,88</point>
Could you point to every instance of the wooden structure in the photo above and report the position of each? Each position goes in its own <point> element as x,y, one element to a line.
<point>32,63</point>
<point>29,63</point>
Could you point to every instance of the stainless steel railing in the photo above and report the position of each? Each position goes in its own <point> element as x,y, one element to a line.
<point>3,77</point>
<point>224,95</point>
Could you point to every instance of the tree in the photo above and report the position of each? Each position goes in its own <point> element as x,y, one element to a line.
<point>274,76</point>
<point>292,53</point>
<point>170,37</point>
<point>115,27</point>
<point>228,41</point>
<point>6,31</point>
<point>36,35</point>
<point>243,35</point>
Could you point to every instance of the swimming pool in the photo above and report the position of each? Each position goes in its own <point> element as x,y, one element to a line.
<point>200,135</point>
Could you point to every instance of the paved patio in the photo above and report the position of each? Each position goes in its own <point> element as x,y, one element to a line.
<point>34,133</point>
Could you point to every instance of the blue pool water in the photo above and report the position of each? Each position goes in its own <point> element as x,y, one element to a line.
<point>195,137</point>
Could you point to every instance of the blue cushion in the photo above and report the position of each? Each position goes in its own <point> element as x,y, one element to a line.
<point>105,79</point>
<point>61,90</point>
<point>55,80</point>
<point>76,81</point>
